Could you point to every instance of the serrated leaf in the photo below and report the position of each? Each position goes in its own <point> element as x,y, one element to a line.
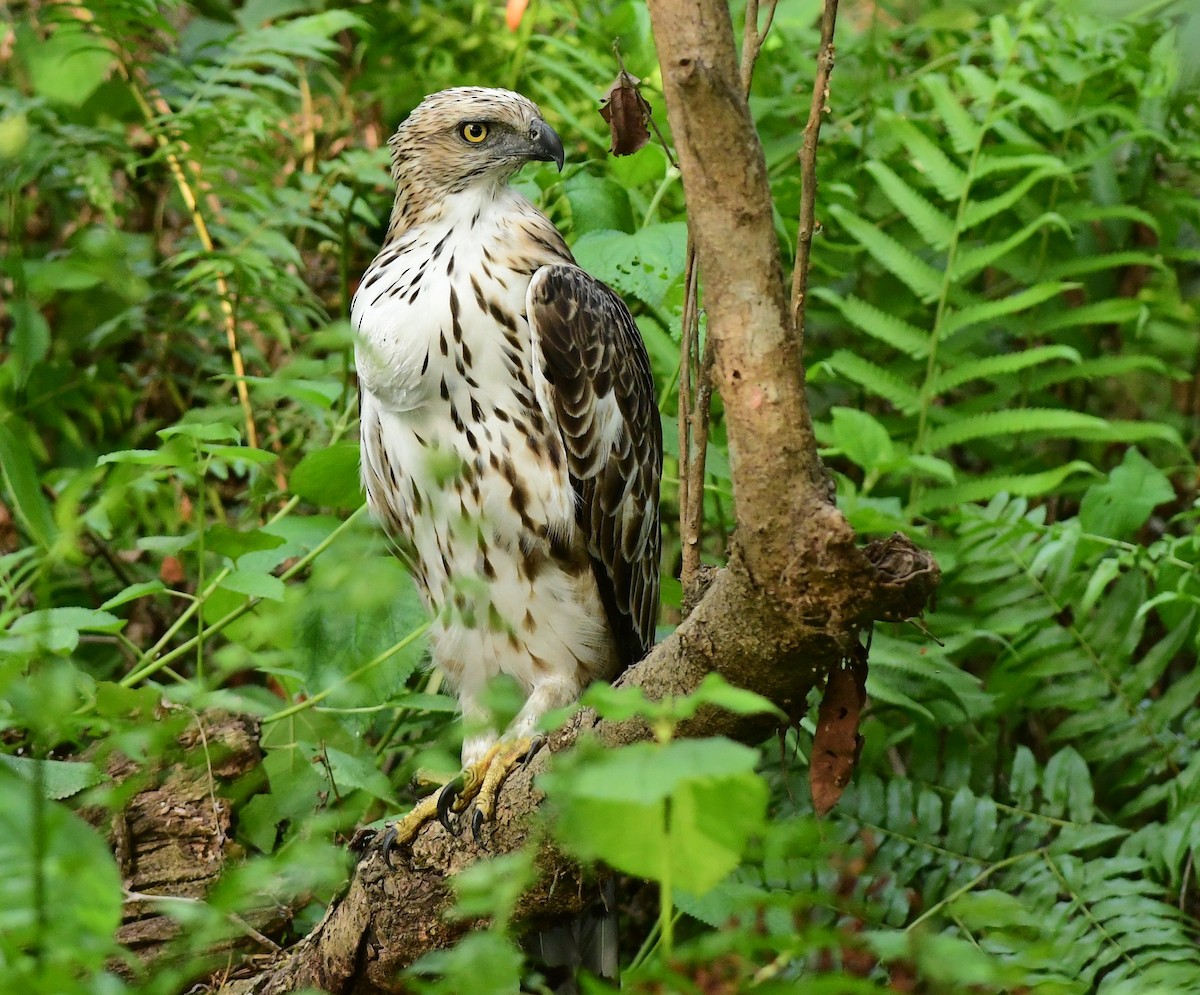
<point>927,156</point>
<point>921,278</point>
<point>931,224</point>
<point>970,261</point>
<point>986,488</point>
<point>58,778</point>
<point>990,424</point>
<point>964,133</point>
<point>958,319</point>
<point>879,324</point>
<point>979,211</point>
<point>883,383</point>
<point>1000,366</point>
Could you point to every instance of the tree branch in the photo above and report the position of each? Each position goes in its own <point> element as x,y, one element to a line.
<point>791,604</point>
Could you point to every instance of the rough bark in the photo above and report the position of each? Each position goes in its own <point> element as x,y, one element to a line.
<point>796,594</point>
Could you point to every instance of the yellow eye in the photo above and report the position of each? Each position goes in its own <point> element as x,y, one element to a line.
<point>474,132</point>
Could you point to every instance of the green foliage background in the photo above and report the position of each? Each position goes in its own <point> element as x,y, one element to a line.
<point>1003,359</point>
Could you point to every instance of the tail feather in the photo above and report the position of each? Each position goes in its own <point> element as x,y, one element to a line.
<point>588,942</point>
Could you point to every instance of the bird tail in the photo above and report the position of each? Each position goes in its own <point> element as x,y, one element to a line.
<point>587,942</point>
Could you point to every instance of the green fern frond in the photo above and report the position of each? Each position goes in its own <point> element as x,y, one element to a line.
<point>931,224</point>
<point>874,378</point>
<point>990,424</point>
<point>1001,365</point>
<point>927,156</point>
<point>964,131</point>
<point>979,211</point>
<point>957,319</point>
<point>971,261</point>
<point>879,324</point>
<point>919,276</point>
<point>985,488</point>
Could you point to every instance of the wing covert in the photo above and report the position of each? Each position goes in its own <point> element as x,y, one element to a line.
<point>591,366</point>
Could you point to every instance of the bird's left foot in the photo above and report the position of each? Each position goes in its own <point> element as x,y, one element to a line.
<point>481,783</point>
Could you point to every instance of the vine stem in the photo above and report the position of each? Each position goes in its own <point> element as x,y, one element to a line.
<point>154,106</point>
<point>808,166</point>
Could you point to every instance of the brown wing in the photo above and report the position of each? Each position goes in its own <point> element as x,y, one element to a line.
<point>597,375</point>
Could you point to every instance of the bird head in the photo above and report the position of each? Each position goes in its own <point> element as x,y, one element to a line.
<point>470,135</point>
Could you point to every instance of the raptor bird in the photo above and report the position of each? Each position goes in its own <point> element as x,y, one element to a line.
<point>511,444</point>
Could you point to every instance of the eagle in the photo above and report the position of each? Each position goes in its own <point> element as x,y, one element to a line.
<point>510,437</point>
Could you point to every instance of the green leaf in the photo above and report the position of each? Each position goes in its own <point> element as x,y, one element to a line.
<point>57,629</point>
<point>882,325</point>
<point>24,488</point>
<point>862,439</point>
<point>646,264</point>
<point>1041,421</point>
<point>979,211</point>
<point>69,66</point>
<point>60,890</point>
<point>358,772</point>
<point>917,275</point>
<point>1002,365</point>
<point>929,157</point>
<point>329,477</point>
<point>973,260</point>
<point>958,319</point>
<point>133,592</point>
<point>986,488</point>
<point>58,778</point>
<point>682,812</point>
<point>883,383</point>
<point>964,133</point>
<point>234,543</point>
<point>931,224</point>
<point>1122,504</point>
<point>255,584</point>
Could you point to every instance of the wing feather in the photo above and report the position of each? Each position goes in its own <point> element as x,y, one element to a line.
<point>592,371</point>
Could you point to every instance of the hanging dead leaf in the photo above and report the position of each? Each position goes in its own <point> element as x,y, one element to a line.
<point>513,13</point>
<point>627,113</point>
<point>837,743</point>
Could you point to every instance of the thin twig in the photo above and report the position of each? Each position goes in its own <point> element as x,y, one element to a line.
<point>695,364</point>
<point>156,106</point>
<point>808,165</point>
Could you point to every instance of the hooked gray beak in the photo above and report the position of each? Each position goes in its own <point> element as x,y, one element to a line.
<point>546,145</point>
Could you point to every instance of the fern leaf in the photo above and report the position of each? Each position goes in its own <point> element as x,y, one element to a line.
<point>931,224</point>
<point>968,262</point>
<point>1105,366</point>
<point>980,85</point>
<point>929,159</point>
<point>1114,311</point>
<point>957,320</point>
<point>1086,213</point>
<point>1133,431</point>
<point>1080,265</point>
<point>879,324</point>
<point>985,488</point>
<point>880,382</point>
<point>1001,365</point>
<point>986,165</point>
<point>979,211</point>
<point>917,275</point>
<point>964,132</point>
<point>990,424</point>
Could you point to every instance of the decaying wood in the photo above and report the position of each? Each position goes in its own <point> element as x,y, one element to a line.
<point>173,838</point>
<point>792,604</point>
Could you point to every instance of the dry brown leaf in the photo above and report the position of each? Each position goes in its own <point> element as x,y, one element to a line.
<point>627,113</point>
<point>837,743</point>
<point>171,571</point>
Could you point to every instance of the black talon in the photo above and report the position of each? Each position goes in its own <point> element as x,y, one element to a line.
<point>386,845</point>
<point>446,799</point>
<point>477,826</point>
<point>535,744</point>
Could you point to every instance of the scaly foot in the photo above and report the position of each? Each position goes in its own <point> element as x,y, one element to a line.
<point>479,783</point>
